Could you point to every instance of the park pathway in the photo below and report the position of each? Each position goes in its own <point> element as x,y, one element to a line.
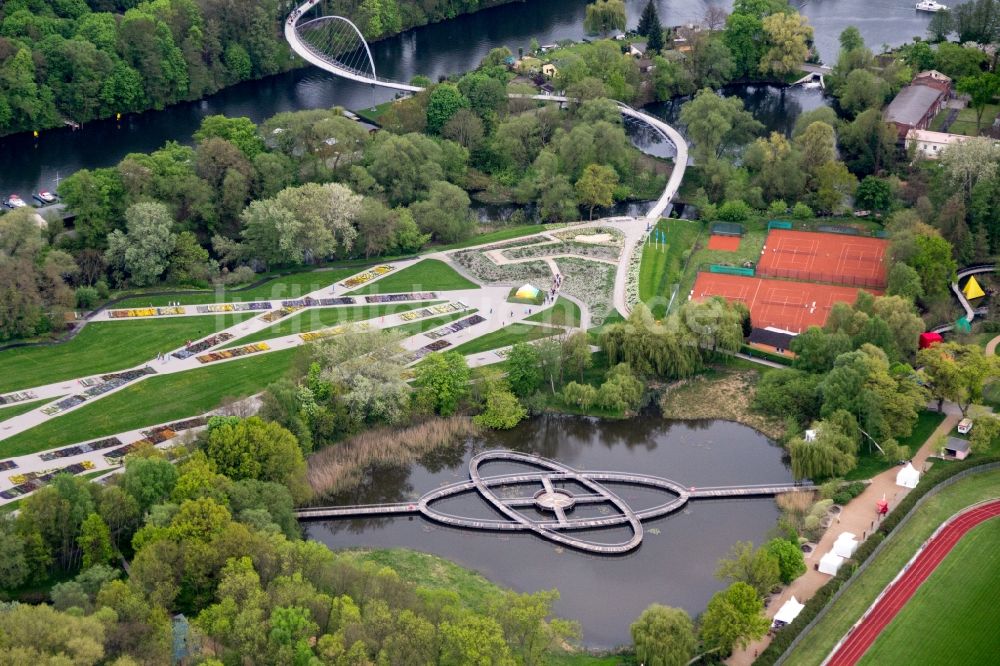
<point>858,517</point>
<point>991,346</point>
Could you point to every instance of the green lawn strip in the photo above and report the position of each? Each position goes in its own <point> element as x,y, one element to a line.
<point>846,610</point>
<point>512,297</point>
<point>563,312</point>
<point>426,275</point>
<point>499,235</point>
<point>282,287</point>
<point>421,325</point>
<point>507,336</point>
<point>105,346</point>
<point>947,620</point>
<point>431,571</point>
<point>155,400</point>
<point>662,262</point>
<point>373,113</point>
<point>871,463</point>
<point>17,409</point>
<point>317,318</point>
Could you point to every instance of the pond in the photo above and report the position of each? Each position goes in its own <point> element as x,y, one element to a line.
<point>675,563</point>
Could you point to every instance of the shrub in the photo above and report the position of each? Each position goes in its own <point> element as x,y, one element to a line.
<point>102,289</point>
<point>802,211</point>
<point>86,297</point>
<point>708,212</point>
<point>735,211</point>
<point>842,497</point>
<point>777,208</point>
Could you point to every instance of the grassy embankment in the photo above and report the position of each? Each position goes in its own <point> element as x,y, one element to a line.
<point>506,336</point>
<point>426,275</point>
<point>105,346</point>
<point>663,262</point>
<point>845,611</point>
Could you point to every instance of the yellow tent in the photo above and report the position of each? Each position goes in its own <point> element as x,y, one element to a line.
<point>527,291</point>
<point>972,289</point>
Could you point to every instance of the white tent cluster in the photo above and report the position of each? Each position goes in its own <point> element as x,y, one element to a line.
<point>843,547</point>
<point>788,612</point>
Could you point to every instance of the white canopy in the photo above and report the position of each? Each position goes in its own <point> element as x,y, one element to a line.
<point>845,545</point>
<point>830,563</point>
<point>908,476</point>
<point>788,612</point>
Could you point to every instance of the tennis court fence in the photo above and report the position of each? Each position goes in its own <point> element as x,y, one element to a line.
<point>874,282</point>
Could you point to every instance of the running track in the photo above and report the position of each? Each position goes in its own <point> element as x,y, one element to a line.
<point>861,637</point>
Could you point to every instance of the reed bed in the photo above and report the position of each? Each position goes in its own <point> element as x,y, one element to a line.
<point>341,467</point>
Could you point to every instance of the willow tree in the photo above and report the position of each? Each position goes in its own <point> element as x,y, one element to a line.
<point>603,16</point>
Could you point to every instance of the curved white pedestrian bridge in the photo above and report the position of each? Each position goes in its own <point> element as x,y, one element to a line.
<point>554,490</point>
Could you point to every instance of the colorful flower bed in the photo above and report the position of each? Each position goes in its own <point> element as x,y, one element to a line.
<point>318,302</point>
<point>32,481</point>
<point>455,327</point>
<point>145,312</point>
<point>322,333</point>
<point>437,345</point>
<point>400,298</point>
<point>199,347</point>
<point>130,375</point>
<point>275,315</point>
<point>223,354</point>
<point>233,307</point>
<point>78,449</point>
<point>423,313</point>
<point>21,396</point>
<point>367,276</point>
<point>7,464</point>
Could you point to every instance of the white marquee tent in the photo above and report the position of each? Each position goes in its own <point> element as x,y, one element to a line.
<point>845,545</point>
<point>788,612</point>
<point>830,563</point>
<point>908,476</point>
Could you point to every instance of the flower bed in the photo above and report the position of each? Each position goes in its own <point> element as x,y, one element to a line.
<point>484,270</point>
<point>591,282</point>
<point>233,307</point>
<point>199,347</point>
<point>7,464</point>
<point>437,345</point>
<point>78,449</point>
<point>608,252</point>
<point>32,481</point>
<point>275,315</point>
<point>318,302</point>
<point>455,327</point>
<point>617,237</point>
<point>129,375</point>
<point>367,276</point>
<point>423,313</point>
<point>21,396</point>
<point>145,312</point>
<point>400,298</point>
<point>322,333</point>
<point>235,352</point>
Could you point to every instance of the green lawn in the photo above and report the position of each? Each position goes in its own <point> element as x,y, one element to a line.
<point>105,346</point>
<point>506,233</point>
<point>287,286</point>
<point>317,318</point>
<point>155,400</point>
<point>421,325</point>
<point>506,336</point>
<point>426,275</point>
<point>870,464</point>
<point>662,263</point>
<point>948,619</point>
<point>563,312</point>
<point>965,123</point>
<point>372,114</point>
<point>845,611</point>
<point>17,409</point>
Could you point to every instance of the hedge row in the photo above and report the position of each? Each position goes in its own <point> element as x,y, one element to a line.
<point>937,474</point>
<point>760,353</point>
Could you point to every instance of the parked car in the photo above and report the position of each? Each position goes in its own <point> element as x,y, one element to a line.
<point>45,197</point>
<point>14,201</point>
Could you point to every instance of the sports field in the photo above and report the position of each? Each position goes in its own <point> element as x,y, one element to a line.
<point>943,608</point>
<point>858,261</point>
<point>792,306</point>
<point>724,243</point>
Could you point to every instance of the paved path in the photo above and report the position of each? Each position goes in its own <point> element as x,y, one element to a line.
<point>991,346</point>
<point>859,518</point>
<point>898,593</point>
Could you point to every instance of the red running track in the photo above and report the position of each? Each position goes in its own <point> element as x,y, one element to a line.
<point>900,591</point>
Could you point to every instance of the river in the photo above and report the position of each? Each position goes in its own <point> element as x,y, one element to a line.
<point>28,164</point>
<point>676,561</point>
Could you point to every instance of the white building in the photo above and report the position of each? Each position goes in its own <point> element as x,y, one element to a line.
<point>931,144</point>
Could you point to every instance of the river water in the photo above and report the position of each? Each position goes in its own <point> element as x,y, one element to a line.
<point>676,561</point>
<point>27,164</point>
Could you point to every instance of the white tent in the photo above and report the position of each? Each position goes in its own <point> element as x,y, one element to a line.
<point>788,612</point>
<point>845,545</point>
<point>908,476</point>
<point>830,563</point>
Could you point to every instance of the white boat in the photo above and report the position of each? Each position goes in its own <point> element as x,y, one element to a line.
<point>14,201</point>
<point>930,6</point>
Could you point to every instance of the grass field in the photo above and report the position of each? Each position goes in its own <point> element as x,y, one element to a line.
<point>662,264</point>
<point>155,400</point>
<point>844,612</point>
<point>952,617</point>
<point>965,122</point>
<point>105,346</point>
<point>426,275</point>
<point>11,411</point>
<point>287,286</point>
<point>506,233</point>
<point>870,464</point>
<point>316,318</point>
<point>506,336</point>
<point>421,325</point>
<point>563,312</point>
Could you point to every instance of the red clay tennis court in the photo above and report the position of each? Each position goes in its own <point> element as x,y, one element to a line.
<point>792,306</point>
<point>858,261</point>
<point>724,243</point>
